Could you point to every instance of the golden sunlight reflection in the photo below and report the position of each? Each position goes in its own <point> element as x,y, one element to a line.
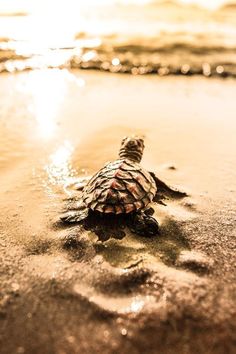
<point>55,23</point>
<point>211,4</point>
<point>137,305</point>
<point>59,168</point>
<point>65,6</point>
<point>47,89</point>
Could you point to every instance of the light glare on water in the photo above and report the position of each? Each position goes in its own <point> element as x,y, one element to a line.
<point>59,169</point>
<point>47,90</point>
<point>137,37</point>
<point>47,94</point>
<point>41,6</point>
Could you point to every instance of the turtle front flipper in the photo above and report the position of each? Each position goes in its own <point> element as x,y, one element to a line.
<point>74,216</point>
<point>76,185</point>
<point>164,191</point>
<point>144,225</point>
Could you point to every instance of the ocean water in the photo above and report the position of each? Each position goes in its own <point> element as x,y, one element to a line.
<point>159,37</point>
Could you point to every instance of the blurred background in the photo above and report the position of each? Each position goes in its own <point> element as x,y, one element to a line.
<point>184,37</point>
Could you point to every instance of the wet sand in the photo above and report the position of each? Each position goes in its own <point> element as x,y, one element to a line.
<point>62,290</point>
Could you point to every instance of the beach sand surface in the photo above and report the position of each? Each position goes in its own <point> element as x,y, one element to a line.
<point>64,291</point>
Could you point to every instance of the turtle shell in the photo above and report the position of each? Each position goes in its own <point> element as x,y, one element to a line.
<point>122,186</point>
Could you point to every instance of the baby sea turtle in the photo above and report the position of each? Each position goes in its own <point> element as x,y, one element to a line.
<point>123,188</point>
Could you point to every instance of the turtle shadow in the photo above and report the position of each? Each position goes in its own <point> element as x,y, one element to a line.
<point>108,226</point>
<point>123,249</point>
<point>105,227</point>
<point>168,245</point>
<point>135,249</point>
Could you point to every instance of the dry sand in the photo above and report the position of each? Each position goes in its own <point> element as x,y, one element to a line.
<point>62,291</point>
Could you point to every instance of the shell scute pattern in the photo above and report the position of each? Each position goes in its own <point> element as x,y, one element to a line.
<point>136,191</point>
<point>139,205</point>
<point>130,165</point>
<point>107,173</point>
<point>129,208</point>
<point>126,198</point>
<point>120,187</point>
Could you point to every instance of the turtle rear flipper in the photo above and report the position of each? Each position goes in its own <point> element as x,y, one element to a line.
<point>74,216</point>
<point>144,225</point>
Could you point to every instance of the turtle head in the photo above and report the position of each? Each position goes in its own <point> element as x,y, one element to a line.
<point>132,148</point>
